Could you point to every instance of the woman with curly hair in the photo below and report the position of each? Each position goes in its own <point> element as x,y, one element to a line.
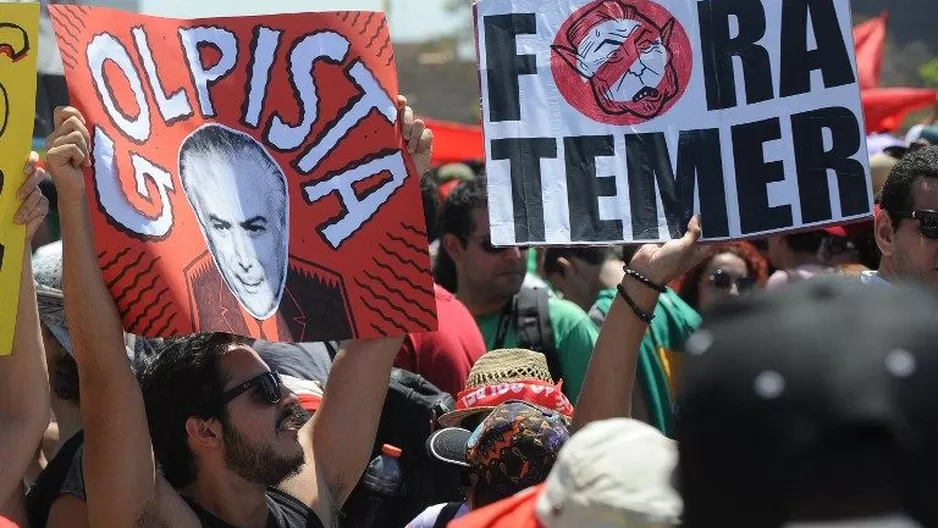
<point>734,268</point>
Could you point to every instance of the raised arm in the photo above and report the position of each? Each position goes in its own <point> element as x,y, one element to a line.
<point>339,440</point>
<point>119,469</point>
<point>24,382</point>
<point>610,379</point>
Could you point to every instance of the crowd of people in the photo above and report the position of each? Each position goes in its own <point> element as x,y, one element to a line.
<point>605,386</point>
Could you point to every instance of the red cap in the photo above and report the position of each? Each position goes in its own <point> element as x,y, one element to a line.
<point>856,229</point>
<point>391,451</point>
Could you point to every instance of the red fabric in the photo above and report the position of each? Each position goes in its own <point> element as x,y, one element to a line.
<point>310,402</point>
<point>514,512</point>
<point>853,230</point>
<point>884,109</point>
<point>444,357</point>
<point>869,40</point>
<point>455,142</point>
<point>447,188</point>
<point>546,395</point>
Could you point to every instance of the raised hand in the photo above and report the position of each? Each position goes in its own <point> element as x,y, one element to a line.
<point>664,263</point>
<point>417,136</point>
<point>68,153</point>
<point>35,205</point>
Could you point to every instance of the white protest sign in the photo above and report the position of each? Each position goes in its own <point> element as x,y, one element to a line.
<point>616,120</point>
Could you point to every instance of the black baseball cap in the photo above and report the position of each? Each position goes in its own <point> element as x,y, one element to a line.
<point>815,402</point>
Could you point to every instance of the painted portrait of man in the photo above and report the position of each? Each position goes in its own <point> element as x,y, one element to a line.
<point>239,195</point>
<point>625,56</point>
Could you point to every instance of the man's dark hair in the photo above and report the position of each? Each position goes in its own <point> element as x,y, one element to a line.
<point>591,255</point>
<point>185,379</point>
<point>430,193</point>
<point>64,379</point>
<point>457,212</point>
<point>809,242</point>
<point>896,195</point>
<point>218,139</point>
<point>457,220</point>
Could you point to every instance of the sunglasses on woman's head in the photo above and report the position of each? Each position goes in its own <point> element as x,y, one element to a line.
<point>268,385</point>
<point>724,281</point>
<point>927,221</point>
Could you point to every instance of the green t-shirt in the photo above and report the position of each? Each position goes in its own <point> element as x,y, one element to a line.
<point>532,261</point>
<point>674,322</point>
<point>574,338</point>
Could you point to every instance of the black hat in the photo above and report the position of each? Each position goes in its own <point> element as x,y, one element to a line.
<point>819,400</point>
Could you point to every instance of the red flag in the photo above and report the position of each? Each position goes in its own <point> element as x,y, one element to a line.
<point>455,142</point>
<point>884,109</point>
<point>869,39</point>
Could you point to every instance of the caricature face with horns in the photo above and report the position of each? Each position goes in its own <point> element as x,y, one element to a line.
<point>625,56</point>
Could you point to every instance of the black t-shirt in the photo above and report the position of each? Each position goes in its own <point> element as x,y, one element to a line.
<point>61,476</point>
<point>283,511</point>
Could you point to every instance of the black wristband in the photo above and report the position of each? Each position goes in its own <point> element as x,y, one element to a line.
<point>645,280</point>
<point>644,316</point>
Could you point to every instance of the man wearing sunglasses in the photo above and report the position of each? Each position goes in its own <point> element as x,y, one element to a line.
<point>488,282</point>
<point>906,227</point>
<point>231,443</point>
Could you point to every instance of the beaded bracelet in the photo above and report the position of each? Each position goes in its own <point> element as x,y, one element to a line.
<point>645,280</point>
<point>644,316</point>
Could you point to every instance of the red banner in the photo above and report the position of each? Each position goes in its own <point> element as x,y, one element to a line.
<point>869,40</point>
<point>248,175</point>
<point>456,142</point>
<point>884,109</point>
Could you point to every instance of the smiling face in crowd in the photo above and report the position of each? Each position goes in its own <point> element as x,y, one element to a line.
<point>239,197</point>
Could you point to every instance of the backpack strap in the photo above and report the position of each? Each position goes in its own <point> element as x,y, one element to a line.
<point>447,514</point>
<point>532,324</point>
<point>333,348</point>
<point>597,316</point>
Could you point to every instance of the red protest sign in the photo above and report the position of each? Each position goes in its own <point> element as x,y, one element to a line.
<point>248,175</point>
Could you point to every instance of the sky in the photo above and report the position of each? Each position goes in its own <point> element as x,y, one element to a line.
<point>411,20</point>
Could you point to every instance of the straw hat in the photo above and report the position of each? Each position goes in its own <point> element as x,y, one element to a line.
<point>500,366</point>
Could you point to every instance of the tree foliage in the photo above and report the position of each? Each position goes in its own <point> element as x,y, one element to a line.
<point>929,73</point>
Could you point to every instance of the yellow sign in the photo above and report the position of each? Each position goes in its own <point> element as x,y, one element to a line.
<point>19,29</point>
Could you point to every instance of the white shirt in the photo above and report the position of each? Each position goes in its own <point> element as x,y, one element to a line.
<point>873,277</point>
<point>891,521</point>
<point>427,519</point>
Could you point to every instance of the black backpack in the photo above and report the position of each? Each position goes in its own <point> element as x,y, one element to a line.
<point>409,416</point>
<point>532,325</point>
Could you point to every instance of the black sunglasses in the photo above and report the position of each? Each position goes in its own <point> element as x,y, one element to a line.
<point>486,244</point>
<point>927,221</point>
<point>724,281</point>
<point>269,384</point>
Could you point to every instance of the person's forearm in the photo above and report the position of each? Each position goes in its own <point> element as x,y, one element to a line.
<point>93,320</point>
<point>610,379</point>
<point>24,391</point>
<point>347,422</point>
<point>111,400</point>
